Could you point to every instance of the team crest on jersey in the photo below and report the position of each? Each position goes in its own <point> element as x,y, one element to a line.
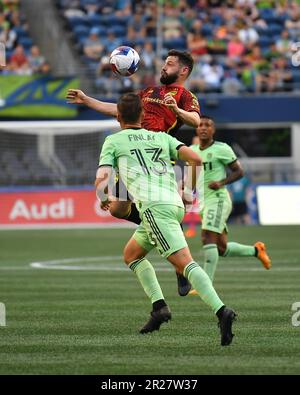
<point>173,93</point>
<point>209,155</point>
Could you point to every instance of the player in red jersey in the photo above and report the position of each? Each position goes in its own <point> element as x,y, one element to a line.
<point>166,108</point>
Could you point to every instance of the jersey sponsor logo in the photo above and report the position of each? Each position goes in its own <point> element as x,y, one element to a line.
<point>153,100</point>
<point>207,165</point>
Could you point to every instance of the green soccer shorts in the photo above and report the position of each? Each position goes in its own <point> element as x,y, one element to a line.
<point>215,214</point>
<point>160,228</point>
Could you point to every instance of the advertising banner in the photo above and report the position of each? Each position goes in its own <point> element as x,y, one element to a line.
<point>36,96</point>
<point>278,204</point>
<point>52,208</point>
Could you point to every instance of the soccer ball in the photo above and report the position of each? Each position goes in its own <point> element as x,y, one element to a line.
<point>124,61</point>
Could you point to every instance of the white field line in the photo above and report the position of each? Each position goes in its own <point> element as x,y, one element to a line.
<point>115,263</point>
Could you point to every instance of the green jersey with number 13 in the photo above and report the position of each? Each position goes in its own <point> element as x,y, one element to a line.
<point>143,160</point>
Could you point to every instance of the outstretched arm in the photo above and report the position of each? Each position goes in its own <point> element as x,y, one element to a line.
<point>76,96</point>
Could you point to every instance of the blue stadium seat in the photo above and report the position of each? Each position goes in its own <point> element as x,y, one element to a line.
<point>81,30</point>
<point>296,75</point>
<point>274,29</point>
<point>207,30</point>
<point>119,31</point>
<point>267,14</point>
<point>176,43</point>
<point>113,20</point>
<point>26,42</point>
<point>21,32</point>
<point>77,21</point>
<point>265,41</point>
<point>96,20</point>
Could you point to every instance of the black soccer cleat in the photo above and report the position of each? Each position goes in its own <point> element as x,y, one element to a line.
<point>184,286</point>
<point>156,319</point>
<point>225,324</point>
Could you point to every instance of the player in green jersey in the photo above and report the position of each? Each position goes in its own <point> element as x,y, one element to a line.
<point>216,158</point>
<point>143,160</point>
<point>166,108</point>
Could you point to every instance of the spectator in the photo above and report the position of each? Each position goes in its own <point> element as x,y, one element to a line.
<point>36,60</point>
<point>9,37</point>
<point>284,44</point>
<point>231,84</point>
<point>106,83</point>
<point>136,27</point>
<point>238,191</point>
<point>92,46</point>
<point>148,56</point>
<point>19,61</point>
<point>216,46</point>
<point>248,35</point>
<point>196,42</point>
<point>172,27</point>
<point>235,48</point>
<point>111,42</point>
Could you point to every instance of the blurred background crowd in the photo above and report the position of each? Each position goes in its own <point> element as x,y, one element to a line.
<point>240,46</point>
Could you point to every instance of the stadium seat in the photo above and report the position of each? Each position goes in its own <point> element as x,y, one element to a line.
<point>176,43</point>
<point>265,41</point>
<point>207,30</point>
<point>80,30</point>
<point>119,31</point>
<point>274,29</point>
<point>26,42</point>
<point>96,20</point>
<point>21,32</point>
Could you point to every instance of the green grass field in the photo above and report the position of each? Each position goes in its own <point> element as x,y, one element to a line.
<point>85,320</point>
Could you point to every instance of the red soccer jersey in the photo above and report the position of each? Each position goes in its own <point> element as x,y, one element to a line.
<point>157,116</point>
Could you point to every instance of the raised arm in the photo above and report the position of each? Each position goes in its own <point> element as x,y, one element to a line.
<point>191,118</point>
<point>76,96</point>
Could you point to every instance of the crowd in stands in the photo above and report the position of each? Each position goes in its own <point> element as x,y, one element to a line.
<point>238,46</point>
<point>22,56</point>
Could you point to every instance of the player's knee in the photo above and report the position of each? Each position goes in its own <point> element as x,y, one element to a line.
<point>221,249</point>
<point>207,238</point>
<point>127,256</point>
<point>130,255</point>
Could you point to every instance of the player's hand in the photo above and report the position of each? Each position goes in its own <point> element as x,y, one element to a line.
<point>215,185</point>
<point>105,204</point>
<point>171,103</point>
<point>76,96</point>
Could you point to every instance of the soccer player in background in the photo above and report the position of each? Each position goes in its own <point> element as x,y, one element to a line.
<point>216,158</point>
<point>143,159</point>
<point>166,108</point>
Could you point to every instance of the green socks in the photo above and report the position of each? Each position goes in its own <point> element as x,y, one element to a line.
<point>211,258</point>
<point>236,249</point>
<point>202,284</point>
<point>147,277</point>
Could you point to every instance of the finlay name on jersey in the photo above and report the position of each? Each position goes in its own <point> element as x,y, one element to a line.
<point>61,209</point>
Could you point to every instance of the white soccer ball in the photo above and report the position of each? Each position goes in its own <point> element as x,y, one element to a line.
<point>124,61</point>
